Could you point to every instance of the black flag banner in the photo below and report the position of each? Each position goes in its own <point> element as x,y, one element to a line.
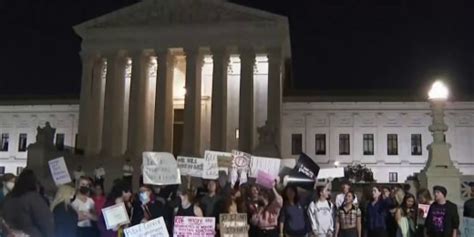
<point>305,165</point>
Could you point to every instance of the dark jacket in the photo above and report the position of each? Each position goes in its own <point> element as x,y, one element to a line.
<point>377,214</point>
<point>65,221</point>
<point>469,208</point>
<point>30,214</point>
<point>154,209</point>
<point>446,214</point>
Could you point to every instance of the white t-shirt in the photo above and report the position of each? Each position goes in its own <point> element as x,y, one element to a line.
<point>127,170</point>
<point>99,172</point>
<point>80,206</point>
<point>321,217</point>
<point>340,200</point>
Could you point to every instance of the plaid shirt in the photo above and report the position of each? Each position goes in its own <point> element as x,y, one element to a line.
<point>348,220</point>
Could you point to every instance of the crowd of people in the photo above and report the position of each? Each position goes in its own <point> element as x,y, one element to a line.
<point>75,210</point>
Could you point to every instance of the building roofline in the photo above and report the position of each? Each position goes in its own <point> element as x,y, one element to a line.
<point>39,100</point>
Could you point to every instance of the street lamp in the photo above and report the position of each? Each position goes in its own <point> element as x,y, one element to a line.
<point>438,95</point>
<point>438,91</point>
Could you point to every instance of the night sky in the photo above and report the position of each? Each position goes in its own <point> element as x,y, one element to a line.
<point>336,45</point>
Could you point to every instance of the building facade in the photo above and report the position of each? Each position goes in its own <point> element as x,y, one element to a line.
<point>18,124</point>
<point>391,138</point>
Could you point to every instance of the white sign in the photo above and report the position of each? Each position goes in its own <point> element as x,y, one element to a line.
<point>160,168</point>
<point>59,171</point>
<point>187,226</point>
<point>191,166</point>
<point>268,165</point>
<point>115,216</point>
<point>331,173</point>
<point>211,167</point>
<point>153,228</point>
<point>468,224</point>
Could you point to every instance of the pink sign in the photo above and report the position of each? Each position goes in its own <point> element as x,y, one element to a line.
<point>425,209</point>
<point>187,226</point>
<point>265,179</point>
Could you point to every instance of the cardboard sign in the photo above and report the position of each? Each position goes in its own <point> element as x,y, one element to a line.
<point>153,228</point>
<point>59,171</point>
<point>160,168</point>
<point>115,216</point>
<point>265,179</point>
<point>468,224</point>
<point>425,208</point>
<point>233,225</point>
<point>331,173</point>
<point>241,160</point>
<point>211,167</point>
<point>305,165</point>
<point>269,165</point>
<point>191,166</point>
<point>187,226</point>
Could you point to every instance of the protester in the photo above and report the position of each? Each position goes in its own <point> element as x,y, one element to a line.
<point>99,175</point>
<point>321,213</point>
<point>147,208</point>
<point>65,217</point>
<point>349,218</point>
<point>293,220</point>
<point>233,204</point>
<point>397,195</point>
<point>346,187</point>
<point>405,216</point>
<point>424,197</point>
<point>24,209</point>
<point>187,207</point>
<point>469,204</point>
<point>98,198</point>
<point>211,200</point>
<point>377,212</point>
<point>127,170</point>
<point>78,173</point>
<point>8,182</point>
<point>265,218</point>
<point>443,218</point>
<point>85,207</point>
<point>116,196</point>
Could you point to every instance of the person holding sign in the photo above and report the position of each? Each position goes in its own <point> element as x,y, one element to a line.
<point>117,195</point>
<point>149,208</point>
<point>187,207</point>
<point>265,218</point>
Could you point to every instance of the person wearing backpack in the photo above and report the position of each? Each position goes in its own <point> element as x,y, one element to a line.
<point>321,213</point>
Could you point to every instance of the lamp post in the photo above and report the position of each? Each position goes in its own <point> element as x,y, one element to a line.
<point>439,169</point>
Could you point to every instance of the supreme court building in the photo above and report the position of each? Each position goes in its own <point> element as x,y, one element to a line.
<point>181,76</point>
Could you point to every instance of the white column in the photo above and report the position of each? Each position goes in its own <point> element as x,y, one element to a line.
<point>274,100</point>
<point>96,115</point>
<point>163,134</point>
<point>192,103</point>
<point>88,60</point>
<point>114,107</point>
<point>138,131</point>
<point>246,106</point>
<point>220,60</point>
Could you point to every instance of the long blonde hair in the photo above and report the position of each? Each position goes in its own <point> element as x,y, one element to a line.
<point>64,194</point>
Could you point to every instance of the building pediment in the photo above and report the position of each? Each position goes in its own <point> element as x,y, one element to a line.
<point>165,13</point>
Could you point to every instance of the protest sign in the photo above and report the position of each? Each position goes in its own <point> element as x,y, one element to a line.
<point>305,165</point>
<point>160,168</point>
<point>468,224</point>
<point>233,225</point>
<point>241,160</point>
<point>210,166</point>
<point>115,216</point>
<point>187,226</point>
<point>331,173</point>
<point>153,228</point>
<point>425,208</point>
<point>269,165</point>
<point>59,171</point>
<point>191,166</point>
<point>265,179</point>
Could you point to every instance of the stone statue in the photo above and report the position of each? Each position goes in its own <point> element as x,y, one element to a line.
<point>266,142</point>
<point>45,135</point>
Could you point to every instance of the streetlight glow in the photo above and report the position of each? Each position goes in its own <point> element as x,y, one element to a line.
<point>438,91</point>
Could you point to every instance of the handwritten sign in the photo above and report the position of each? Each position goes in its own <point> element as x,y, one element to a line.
<point>153,228</point>
<point>425,208</point>
<point>115,216</point>
<point>265,179</point>
<point>211,167</point>
<point>468,224</point>
<point>187,226</point>
<point>233,225</point>
<point>59,171</point>
<point>241,160</point>
<point>331,173</point>
<point>269,165</point>
<point>160,168</point>
<point>191,166</point>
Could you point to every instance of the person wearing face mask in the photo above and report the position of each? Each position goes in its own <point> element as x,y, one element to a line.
<point>85,207</point>
<point>8,182</point>
<point>65,217</point>
<point>148,208</point>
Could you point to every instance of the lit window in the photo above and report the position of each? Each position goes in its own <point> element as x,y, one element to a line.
<point>392,144</point>
<point>368,143</point>
<point>416,144</point>
<point>320,143</point>
<point>22,142</point>
<point>60,141</point>
<point>296,144</point>
<point>344,144</point>
<point>5,140</point>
